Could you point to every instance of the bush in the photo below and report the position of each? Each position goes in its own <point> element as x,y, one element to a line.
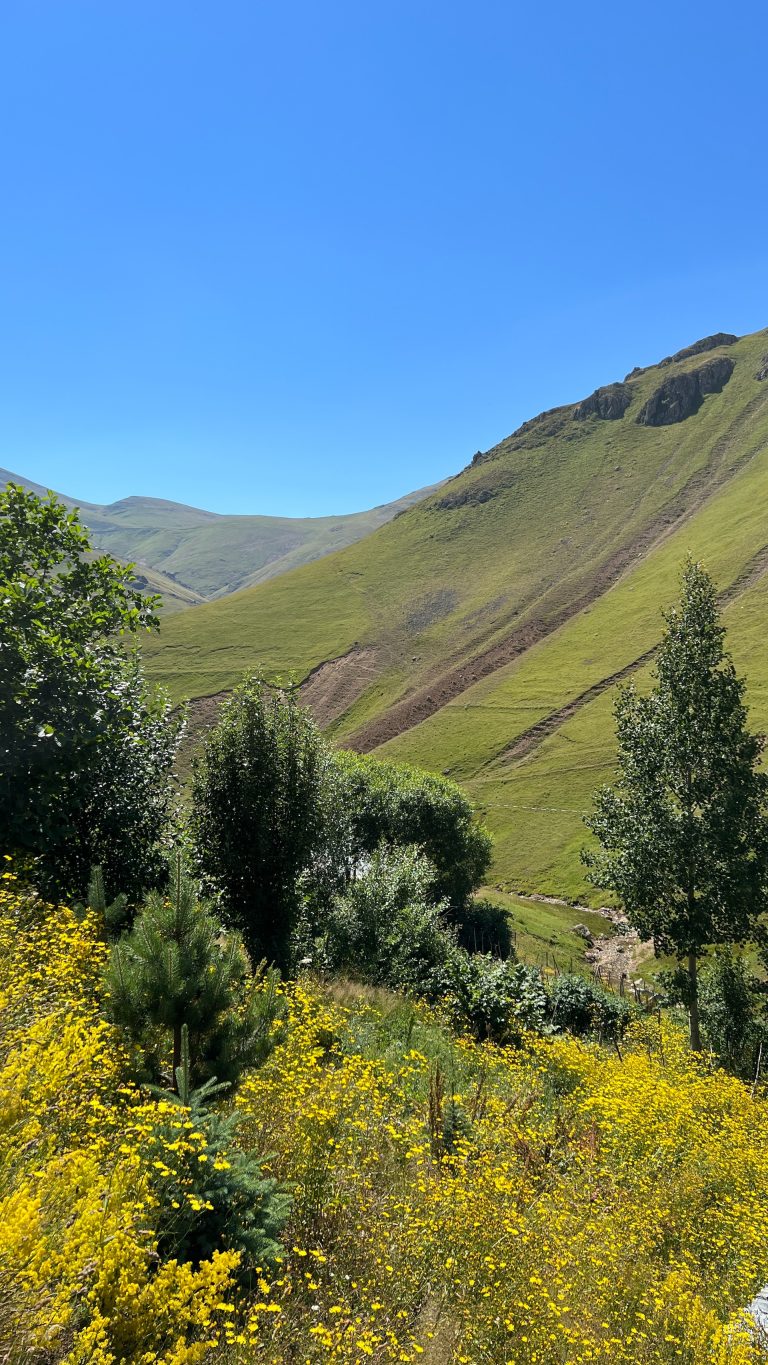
<point>729,1014</point>
<point>484,928</point>
<point>215,1197</point>
<point>393,803</point>
<point>496,1000</point>
<point>386,928</point>
<point>581,1006</point>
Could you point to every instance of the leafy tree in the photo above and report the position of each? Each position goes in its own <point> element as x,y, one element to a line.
<point>176,969</point>
<point>85,750</point>
<point>683,834</point>
<point>386,928</point>
<point>393,803</point>
<point>257,813</point>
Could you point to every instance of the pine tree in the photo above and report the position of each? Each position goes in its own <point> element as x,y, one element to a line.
<point>178,968</point>
<point>683,832</point>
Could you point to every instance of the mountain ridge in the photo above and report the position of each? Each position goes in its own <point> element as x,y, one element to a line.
<point>482,633</point>
<point>192,555</point>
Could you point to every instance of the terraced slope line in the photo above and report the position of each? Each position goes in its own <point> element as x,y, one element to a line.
<point>729,453</point>
<point>400,629</point>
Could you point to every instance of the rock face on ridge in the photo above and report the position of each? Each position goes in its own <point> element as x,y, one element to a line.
<point>682,395</point>
<point>698,347</point>
<point>609,403</point>
<point>763,371</point>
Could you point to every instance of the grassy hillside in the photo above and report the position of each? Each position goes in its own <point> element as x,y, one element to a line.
<point>481,633</point>
<point>191,555</point>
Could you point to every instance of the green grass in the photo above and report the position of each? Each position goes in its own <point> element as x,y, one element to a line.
<point>432,588</point>
<point>196,555</point>
<point>543,934</point>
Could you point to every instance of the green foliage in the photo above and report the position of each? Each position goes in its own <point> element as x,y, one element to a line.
<point>729,1011</point>
<point>495,999</point>
<point>85,750</point>
<point>386,928</point>
<point>256,814</point>
<point>683,834</point>
<point>484,928</point>
<point>215,1197</point>
<point>177,969</point>
<point>395,804</point>
<point>116,913</point>
<point>581,1006</point>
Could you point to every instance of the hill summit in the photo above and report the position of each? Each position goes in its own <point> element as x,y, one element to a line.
<point>481,633</point>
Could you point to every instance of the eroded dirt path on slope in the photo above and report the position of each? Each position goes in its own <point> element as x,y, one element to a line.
<point>431,697</point>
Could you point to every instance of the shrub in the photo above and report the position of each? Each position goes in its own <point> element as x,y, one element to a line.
<point>496,1000</point>
<point>728,1011</point>
<point>581,1006</point>
<point>215,1197</point>
<point>393,803</point>
<point>484,928</point>
<point>386,928</point>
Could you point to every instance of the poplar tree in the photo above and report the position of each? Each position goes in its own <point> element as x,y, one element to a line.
<point>683,833</point>
<point>257,811</point>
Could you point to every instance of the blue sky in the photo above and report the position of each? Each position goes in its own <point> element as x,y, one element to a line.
<point>300,258</point>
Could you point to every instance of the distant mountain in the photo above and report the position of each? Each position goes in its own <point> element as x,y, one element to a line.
<point>482,633</point>
<point>191,556</point>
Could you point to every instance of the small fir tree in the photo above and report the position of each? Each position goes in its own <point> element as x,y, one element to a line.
<point>683,833</point>
<point>216,1197</point>
<point>177,969</point>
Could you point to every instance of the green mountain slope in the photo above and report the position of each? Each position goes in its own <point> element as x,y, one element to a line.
<point>191,555</point>
<point>482,633</point>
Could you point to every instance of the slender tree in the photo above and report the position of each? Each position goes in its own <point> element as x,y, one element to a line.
<point>257,813</point>
<point>683,833</point>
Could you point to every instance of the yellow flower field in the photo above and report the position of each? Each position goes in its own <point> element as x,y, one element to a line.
<point>452,1202</point>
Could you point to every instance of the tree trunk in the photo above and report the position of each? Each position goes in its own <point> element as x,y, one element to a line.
<point>176,1055</point>
<point>693,1003</point>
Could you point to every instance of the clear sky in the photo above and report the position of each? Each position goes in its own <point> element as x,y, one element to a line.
<point>296,257</point>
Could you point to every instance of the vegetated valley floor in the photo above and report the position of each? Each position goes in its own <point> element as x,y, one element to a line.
<point>482,632</point>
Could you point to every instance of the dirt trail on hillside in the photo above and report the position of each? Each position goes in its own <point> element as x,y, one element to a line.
<point>530,739</point>
<point>333,686</point>
<point>613,956</point>
<point>426,700</point>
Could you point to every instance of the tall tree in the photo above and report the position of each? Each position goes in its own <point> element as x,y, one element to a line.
<point>683,832</point>
<point>256,813</point>
<point>396,804</point>
<point>85,749</point>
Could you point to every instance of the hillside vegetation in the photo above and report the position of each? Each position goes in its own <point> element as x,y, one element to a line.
<point>481,633</point>
<point>450,1200</point>
<point>190,555</point>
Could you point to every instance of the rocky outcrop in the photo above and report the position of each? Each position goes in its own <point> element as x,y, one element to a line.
<point>464,497</point>
<point>698,347</point>
<point>682,395</point>
<point>609,403</point>
<point>763,371</point>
